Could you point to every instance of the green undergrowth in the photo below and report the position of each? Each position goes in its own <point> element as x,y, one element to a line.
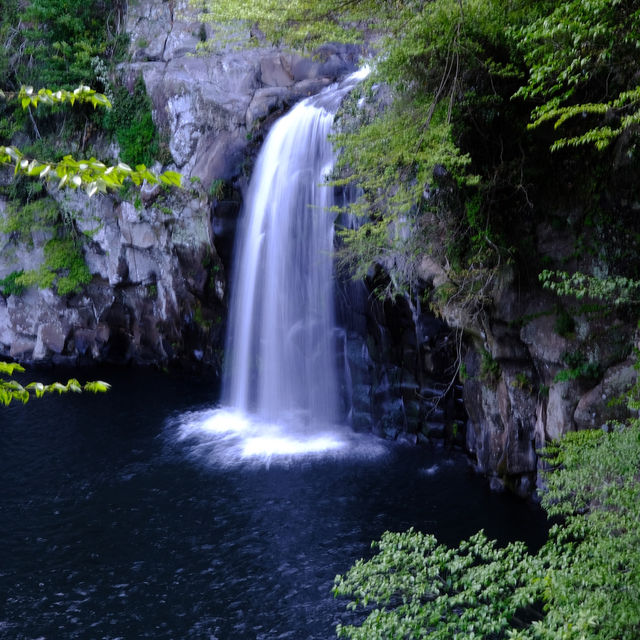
<point>583,584</point>
<point>64,269</point>
<point>132,125</point>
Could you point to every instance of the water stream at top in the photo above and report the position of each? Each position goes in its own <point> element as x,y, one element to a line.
<point>280,389</point>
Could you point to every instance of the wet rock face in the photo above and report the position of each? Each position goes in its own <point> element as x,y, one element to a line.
<point>157,293</point>
<point>396,374</point>
<point>214,105</point>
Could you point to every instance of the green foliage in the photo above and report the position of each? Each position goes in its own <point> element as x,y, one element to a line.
<point>421,589</point>
<point>8,35</point>
<point>593,589</point>
<point>564,325</point>
<point>10,285</point>
<point>216,190</point>
<point>82,94</point>
<point>522,381</point>
<point>584,584</point>
<point>303,25</point>
<point>200,320</point>
<point>61,37</point>
<point>11,390</point>
<point>92,175</point>
<point>63,269</point>
<point>580,56</point>
<point>22,220</point>
<point>578,368</point>
<point>131,122</point>
<point>66,43</point>
<point>616,290</point>
<point>489,368</point>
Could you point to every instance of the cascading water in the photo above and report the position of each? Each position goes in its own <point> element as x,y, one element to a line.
<point>280,389</point>
<point>280,359</point>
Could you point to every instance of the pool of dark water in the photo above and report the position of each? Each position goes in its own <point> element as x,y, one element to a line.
<point>116,523</point>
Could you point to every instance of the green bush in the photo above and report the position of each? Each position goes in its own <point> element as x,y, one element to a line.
<point>9,285</point>
<point>131,123</point>
<point>63,269</point>
<point>564,325</point>
<point>489,368</point>
<point>578,368</point>
<point>37,215</point>
<point>584,584</point>
<point>61,37</point>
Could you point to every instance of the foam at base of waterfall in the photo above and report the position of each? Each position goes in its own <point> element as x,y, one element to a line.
<point>228,437</point>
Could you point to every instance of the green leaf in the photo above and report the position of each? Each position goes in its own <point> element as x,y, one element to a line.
<point>97,386</point>
<point>10,367</point>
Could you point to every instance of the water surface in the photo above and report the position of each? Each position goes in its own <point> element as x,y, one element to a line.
<point>128,516</point>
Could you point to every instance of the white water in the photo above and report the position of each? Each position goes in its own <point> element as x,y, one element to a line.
<point>280,391</point>
<point>281,355</point>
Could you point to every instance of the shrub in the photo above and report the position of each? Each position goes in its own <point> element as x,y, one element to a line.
<point>131,123</point>
<point>63,269</point>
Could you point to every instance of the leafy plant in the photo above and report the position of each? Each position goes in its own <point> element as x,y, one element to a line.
<point>11,389</point>
<point>489,368</point>
<point>564,325</point>
<point>571,49</point>
<point>617,290</point>
<point>131,122</point>
<point>422,589</point>
<point>216,190</point>
<point>584,584</point>
<point>10,285</point>
<point>200,320</point>
<point>21,220</point>
<point>93,175</point>
<point>522,381</point>
<point>63,269</point>
<point>578,368</point>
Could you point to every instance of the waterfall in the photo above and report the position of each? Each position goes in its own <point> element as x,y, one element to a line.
<point>280,392</point>
<point>280,349</point>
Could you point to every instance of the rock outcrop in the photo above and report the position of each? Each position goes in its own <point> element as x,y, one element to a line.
<point>536,367</point>
<point>158,259</point>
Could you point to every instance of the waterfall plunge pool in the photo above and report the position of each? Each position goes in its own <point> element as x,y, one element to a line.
<point>127,516</point>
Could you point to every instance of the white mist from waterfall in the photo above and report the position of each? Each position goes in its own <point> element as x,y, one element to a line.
<point>280,393</point>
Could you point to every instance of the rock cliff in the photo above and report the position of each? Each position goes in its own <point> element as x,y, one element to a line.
<point>158,258</point>
<point>536,366</point>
